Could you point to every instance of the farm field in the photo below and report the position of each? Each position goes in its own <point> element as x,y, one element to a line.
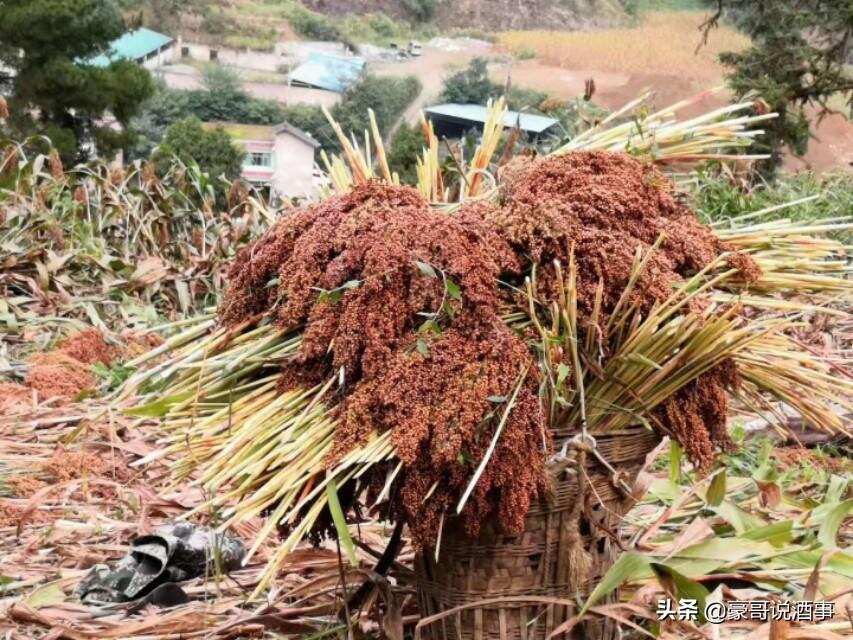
<point>663,53</point>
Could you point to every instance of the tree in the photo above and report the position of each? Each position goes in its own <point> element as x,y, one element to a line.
<point>388,96</point>
<point>469,86</point>
<point>52,88</point>
<point>405,150</point>
<point>221,100</point>
<point>211,149</point>
<point>473,86</point>
<point>796,62</point>
<point>421,10</point>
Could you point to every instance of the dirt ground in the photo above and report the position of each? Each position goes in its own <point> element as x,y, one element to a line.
<point>431,68</point>
<point>187,77</point>
<point>832,147</point>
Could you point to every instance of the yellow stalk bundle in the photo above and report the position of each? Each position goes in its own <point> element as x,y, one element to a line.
<point>258,450</point>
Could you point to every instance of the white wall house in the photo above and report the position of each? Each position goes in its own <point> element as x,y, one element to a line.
<point>280,157</point>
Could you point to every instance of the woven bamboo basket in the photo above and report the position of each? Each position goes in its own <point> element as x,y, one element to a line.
<point>569,540</point>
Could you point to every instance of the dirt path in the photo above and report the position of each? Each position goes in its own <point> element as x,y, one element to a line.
<point>185,77</point>
<point>830,149</point>
<point>430,68</point>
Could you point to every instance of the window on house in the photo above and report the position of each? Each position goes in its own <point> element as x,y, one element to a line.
<point>258,159</point>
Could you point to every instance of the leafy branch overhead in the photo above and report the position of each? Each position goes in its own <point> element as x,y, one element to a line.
<point>798,62</point>
<point>55,89</point>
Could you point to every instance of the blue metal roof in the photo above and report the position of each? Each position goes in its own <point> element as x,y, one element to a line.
<point>478,113</point>
<point>133,45</point>
<point>328,72</point>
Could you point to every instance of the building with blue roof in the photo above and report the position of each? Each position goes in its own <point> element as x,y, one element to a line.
<point>144,46</point>
<point>453,120</point>
<point>324,71</point>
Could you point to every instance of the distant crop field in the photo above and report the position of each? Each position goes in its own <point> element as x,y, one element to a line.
<point>664,42</point>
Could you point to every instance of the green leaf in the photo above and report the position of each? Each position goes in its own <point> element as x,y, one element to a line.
<point>664,490</point>
<point>453,289</point>
<point>422,347</point>
<point>681,586</point>
<point>45,596</point>
<point>340,522</point>
<point>778,533</point>
<point>643,360</point>
<point>675,456</point>
<point>742,521</point>
<point>629,566</point>
<point>829,527</point>
<point>429,326</point>
<point>426,269</point>
<point>727,549</point>
<point>158,408</point>
<point>562,372</point>
<point>835,490</point>
<point>767,472</point>
<point>839,562</point>
<point>717,489</point>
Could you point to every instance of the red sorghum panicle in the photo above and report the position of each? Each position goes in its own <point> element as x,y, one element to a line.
<point>404,300</point>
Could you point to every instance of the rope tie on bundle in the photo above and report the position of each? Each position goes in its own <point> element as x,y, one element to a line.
<point>578,559</point>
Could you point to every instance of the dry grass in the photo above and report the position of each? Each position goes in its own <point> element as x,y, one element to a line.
<point>663,44</point>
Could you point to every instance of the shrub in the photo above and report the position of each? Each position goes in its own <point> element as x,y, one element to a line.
<point>387,96</point>
<point>470,85</point>
<point>525,53</point>
<point>222,100</point>
<point>211,149</point>
<point>473,86</point>
<point>798,60</point>
<point>213,21</point>
<point>382,25</point>
<point>718,198</point>
<point>520,98</point>
<point>420,10</point>
<point>404,151</point>
<point>313,25</point>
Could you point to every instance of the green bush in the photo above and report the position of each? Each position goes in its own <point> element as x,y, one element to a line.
<point>525,53</point>
<point>222,100</point>
<point>213,21</point>
<point>520,98</point>
<point>472,85</point>
<point>387,96</point>
<point>717,198</point>
<point>211,149</point>
<point>420,10</point>
<point>382,25</point>
<point>312,25</point>
<point>405,149</point>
